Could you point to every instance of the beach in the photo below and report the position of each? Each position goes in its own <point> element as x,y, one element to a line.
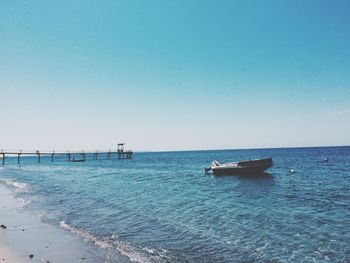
<point>24,238</point>
<point>8,255</point>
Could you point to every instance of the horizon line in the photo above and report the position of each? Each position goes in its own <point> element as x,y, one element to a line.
<point>253,148</point>
<point>180,150</point>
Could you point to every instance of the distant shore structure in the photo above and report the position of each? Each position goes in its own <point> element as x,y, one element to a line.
<point>119,154</point>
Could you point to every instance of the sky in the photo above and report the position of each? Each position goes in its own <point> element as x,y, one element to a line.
<point>174,75</point>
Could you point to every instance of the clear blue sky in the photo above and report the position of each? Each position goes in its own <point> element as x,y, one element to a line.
<point>172,75</point>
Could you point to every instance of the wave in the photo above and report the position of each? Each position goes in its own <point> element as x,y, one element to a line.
<point>144,255</point>
<point>23,187</point>
<point>19,188</point>
<point>51,168</point>
<point>23,202</point>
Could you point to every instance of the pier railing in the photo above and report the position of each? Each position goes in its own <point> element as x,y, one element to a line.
<point>69,156</point>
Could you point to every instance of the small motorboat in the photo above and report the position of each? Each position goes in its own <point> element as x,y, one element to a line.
<point>250,167</point>
<point>77,160</point>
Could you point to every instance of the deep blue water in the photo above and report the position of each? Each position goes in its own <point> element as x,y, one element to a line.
<point>162,207</point>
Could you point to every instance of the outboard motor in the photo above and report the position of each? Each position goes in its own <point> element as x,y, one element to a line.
<point>213,164</point>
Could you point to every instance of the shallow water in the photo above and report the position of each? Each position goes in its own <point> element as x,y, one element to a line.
<point>161,207</point>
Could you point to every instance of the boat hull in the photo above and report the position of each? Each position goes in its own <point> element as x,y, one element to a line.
<point>239,171</point>
<point>79,160</point>
<point>250,167</point>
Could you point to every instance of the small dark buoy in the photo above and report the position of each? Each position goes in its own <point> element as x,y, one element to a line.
<point>82,258</point>
<point>31,256</point>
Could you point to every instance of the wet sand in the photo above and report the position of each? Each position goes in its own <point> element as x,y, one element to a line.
<point>7,255</point>
<point>23,234</point>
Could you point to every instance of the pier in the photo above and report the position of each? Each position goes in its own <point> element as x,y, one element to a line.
<point>68,156</point>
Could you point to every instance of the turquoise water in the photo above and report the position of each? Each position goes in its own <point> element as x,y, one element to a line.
<point>162,207</point>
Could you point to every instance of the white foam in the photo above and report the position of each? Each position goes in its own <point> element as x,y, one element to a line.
<point>19,186</point>
<point>125,249</point>
<point>84,234</point>
<point>23,202</point>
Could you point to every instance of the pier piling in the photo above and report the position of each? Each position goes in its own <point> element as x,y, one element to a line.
<point>96,155</point>
<point>38,154</point>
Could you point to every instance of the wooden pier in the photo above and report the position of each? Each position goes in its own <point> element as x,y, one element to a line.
<point>121,153</point>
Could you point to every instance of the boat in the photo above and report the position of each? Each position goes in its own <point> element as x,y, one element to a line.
<point>250,167</point>
<point>77,160</point>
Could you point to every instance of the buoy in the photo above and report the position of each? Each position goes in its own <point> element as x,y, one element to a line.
<point>325,160</point>
<point>292,171</point>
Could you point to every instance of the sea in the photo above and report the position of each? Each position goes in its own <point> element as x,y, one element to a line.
<point>162,207</point>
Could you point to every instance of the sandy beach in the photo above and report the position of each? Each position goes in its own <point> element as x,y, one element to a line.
<point>24,238</point>
<point>8,255</point>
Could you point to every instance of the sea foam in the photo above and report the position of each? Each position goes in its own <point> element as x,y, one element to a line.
<point>125,249</point>
<point>18,185</point>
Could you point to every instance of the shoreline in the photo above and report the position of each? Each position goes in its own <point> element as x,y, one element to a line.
<point>23,235</point>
